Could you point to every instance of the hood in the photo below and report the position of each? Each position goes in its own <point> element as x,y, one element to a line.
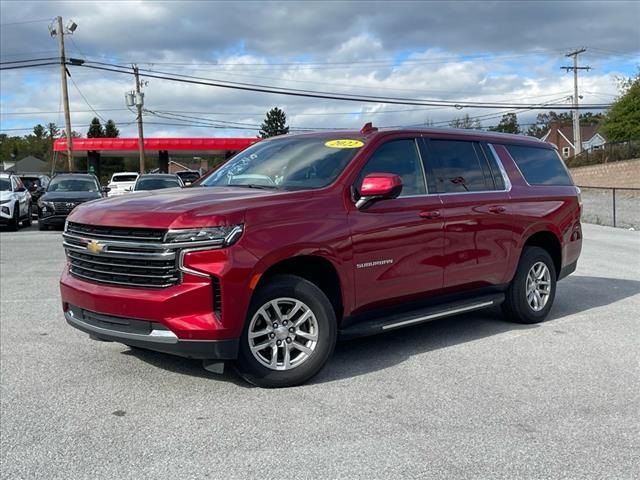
<point>70,196</point>
<point>175,207</point>
<point>6,195</point>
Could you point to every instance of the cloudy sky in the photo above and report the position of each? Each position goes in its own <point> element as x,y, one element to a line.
<point>458,51</point>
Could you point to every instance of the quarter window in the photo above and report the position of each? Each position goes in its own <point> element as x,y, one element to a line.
<point>401,158</point>
<point>457,168</point>
<point>540,166</point>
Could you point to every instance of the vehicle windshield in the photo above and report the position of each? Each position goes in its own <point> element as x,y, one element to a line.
<point>188,176</point>
<point>5,185</point>
<point>31,183</point>
<point>124,178</point>
<point>156,183</point>
<point>73,185</point>
<point>295,163</point>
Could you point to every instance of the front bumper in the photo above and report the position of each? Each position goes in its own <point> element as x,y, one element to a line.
<point>6,213</point>
<point>148,335</point>
<point>53,220</point>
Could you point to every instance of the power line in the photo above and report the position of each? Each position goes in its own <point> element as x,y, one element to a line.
<point>85,98</point>
<point>29,60</point>
<point>25,22</point>
<point>316,94</point>
<point>18,67</point>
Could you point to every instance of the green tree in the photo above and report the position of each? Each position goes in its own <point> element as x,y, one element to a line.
<point>622,121</point>
<point>508,124</point>
<point>110,129</point>
<point>275,123</point>
<point>95,129</point>
<point>39,131</point>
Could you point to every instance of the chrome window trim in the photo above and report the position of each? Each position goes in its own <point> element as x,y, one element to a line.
<point>503,172</point>
<point>424,172</point>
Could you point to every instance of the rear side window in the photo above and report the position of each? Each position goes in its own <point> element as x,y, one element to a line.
<point>399,157</point>
<point>457,168</point>
<point>124,178</point>
<point>539,166</point>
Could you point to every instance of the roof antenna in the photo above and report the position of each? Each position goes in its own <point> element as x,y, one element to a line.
<point>368,128</point>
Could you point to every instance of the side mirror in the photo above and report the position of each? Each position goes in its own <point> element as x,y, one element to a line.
<point>21,189</point>
<point>106,189</point>
<point>378,186</point>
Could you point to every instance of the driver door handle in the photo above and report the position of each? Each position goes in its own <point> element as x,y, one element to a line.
<point>430,214</point>
<point>497,209</point>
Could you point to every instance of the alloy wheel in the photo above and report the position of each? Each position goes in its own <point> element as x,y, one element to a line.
<point>538,286</point>
<point>283,334</point>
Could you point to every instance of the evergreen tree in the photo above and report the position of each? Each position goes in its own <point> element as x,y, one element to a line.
<point>95,129</point>
<point>39,131</point>
<point>110,129</point>
<point>465,122</point>
<point>508,124</point>
<point>275,123</point>
<point>53,131</point>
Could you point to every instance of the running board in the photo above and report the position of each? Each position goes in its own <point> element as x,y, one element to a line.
<point>422,315</point>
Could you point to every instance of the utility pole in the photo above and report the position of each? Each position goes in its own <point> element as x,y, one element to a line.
<point>139,101</point>
<point>577,140</point>
<point>60,31</point>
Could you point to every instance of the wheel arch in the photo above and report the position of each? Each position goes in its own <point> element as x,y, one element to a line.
<point>549,241</point>
<point>315,268</point>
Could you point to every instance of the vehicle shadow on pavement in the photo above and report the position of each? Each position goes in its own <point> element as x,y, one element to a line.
<point>576,294</point>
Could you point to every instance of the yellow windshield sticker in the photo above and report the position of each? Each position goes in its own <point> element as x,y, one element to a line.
<point>344,144</point>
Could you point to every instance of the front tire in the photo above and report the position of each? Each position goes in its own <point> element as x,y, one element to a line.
<point>15,220</point>
<point>531,293</point>
<point>28,221</point>
<point>289,335</point>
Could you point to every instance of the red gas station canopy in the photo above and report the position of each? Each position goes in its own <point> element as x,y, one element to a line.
<point>125,146</point>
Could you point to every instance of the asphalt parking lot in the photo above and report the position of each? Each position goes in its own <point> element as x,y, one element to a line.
<point>465,397</point>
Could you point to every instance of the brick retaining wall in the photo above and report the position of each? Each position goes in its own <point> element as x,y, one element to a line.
<point>625,174</point>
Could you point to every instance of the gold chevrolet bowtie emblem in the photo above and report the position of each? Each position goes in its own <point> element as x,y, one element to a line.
<point>95,247</point>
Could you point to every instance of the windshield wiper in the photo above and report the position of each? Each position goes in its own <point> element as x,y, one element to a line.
<point>254,185</point>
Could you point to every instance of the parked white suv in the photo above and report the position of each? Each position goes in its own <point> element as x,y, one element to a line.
<point>122,182</point>
<point>15,202</point>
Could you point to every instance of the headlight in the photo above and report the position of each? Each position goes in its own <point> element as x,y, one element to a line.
<point>221,236</point>
<point>2,202</point>
<point>42,204</point>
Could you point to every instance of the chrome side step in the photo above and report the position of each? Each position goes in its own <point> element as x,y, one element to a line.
<point>422,315</point>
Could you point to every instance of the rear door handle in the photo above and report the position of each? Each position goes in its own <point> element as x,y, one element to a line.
<point>497,209</point>
<point>430,214</point>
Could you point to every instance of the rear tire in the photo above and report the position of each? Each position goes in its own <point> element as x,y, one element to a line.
<point>530,295</point>
<point>289,334</point>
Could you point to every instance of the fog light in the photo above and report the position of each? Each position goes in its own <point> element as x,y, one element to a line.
<point>5,210</point>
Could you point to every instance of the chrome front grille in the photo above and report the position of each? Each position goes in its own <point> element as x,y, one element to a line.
<point>64,208</point>
<point>103,255</point>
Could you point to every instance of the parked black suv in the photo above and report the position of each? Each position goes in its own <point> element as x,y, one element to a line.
<point>64,193</point>
<point>36,184</point>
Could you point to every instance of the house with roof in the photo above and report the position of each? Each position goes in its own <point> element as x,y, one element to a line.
<point>562,137</point>
<point>29,164</point>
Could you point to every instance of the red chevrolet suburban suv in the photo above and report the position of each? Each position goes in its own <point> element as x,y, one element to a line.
<point>302,239</point>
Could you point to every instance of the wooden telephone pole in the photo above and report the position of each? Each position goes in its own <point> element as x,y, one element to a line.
<point>577,140</point>
<point>139,100</point>
<point>59,31</point>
